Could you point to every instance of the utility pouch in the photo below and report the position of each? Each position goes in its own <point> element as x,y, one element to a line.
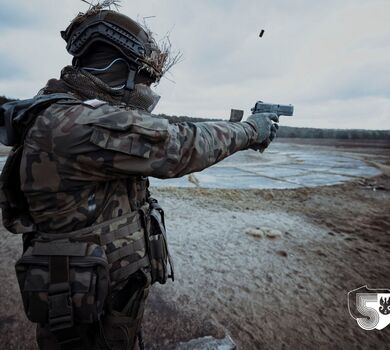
<point>158,245</point>
<point>63,282</point>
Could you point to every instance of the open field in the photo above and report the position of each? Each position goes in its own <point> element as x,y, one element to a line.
<point>269,267</point>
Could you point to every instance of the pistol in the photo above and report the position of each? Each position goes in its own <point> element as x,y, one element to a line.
<point>236,115</point>
<point>262,107</point>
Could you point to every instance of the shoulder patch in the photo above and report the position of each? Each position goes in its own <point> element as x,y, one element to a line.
<point>95,103</point>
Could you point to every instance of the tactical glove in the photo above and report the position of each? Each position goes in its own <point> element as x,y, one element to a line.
<point>265,127</point>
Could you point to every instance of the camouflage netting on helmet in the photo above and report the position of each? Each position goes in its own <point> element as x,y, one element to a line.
<point>135,41</point>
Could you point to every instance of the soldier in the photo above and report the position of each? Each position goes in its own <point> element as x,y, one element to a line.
<point>76,183</point>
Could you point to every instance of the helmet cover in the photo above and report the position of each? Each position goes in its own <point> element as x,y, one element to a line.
<point>135,42</point>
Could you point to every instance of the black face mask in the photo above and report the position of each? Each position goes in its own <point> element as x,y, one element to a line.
<point>106,64</point>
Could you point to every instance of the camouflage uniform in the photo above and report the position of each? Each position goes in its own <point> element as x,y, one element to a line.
<point>83,173</point>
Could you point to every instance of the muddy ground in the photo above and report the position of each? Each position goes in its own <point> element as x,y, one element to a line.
<point>271,268</point>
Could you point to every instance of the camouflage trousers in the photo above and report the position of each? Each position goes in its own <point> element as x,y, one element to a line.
<point>118,330</point>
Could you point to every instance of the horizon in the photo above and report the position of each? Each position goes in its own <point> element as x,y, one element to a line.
<point>219,119</point>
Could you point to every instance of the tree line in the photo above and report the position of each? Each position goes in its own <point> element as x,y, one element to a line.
<point>288,131</point>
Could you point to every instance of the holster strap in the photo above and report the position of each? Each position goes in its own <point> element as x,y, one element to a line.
<point>126,271</point>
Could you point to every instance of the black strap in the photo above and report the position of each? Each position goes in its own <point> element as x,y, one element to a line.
<point>129,86</point>
<point>59,265</point>
<point>59,295</point>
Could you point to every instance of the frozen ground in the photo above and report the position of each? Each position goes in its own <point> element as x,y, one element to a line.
<point>282,166</point>
<point>271,268</point>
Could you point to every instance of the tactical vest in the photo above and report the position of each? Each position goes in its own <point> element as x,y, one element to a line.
<point>67,279</point>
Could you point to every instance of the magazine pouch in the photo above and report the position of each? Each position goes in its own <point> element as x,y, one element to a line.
<point>63,282</point>
<point>160,259</point>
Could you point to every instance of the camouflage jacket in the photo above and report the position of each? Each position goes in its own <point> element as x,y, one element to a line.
<point>79,162</point>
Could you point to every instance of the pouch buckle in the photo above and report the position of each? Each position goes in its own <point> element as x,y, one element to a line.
<point>60,307</point>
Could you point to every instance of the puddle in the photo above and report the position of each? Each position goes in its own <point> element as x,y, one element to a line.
<point>282,166</point>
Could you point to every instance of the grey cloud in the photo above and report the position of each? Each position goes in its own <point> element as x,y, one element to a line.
<point>368,82</point>
<point>33,14</point>
<point>327,57</point>
<point>12,16</point>
<point>10,70</point>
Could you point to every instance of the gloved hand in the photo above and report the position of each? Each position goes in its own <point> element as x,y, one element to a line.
<point>265,127</point>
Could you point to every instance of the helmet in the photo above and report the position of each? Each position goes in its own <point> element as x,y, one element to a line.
<point>121,32</point>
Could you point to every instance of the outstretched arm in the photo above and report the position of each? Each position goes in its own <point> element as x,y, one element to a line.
<point>111,143</point>
<point>192,147</point>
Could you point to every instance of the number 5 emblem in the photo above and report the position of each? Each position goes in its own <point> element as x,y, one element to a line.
<point>370,307</point>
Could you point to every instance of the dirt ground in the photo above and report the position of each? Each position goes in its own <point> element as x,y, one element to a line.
<point>271,268</point>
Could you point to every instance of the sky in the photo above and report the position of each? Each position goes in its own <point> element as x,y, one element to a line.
<point>330,59</point>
